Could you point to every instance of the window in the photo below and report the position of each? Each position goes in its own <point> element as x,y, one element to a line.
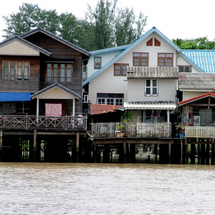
<point>59,72</point>
<point>14,70</point>
<point>151,88</point>
<point>9,107</point>
<point>120,69</point>
<point>110,98</point>
<point>97,62</point>
<point>184,68</point>
<point>165,59</point>
<point>140,59</point>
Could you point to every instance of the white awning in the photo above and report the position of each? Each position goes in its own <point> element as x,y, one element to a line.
<point>165,105</point>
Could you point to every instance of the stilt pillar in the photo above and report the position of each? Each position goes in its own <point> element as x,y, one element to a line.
<point>170,152</point>
<point>95,153</point>
<point>35,146</point>
<point>125,152</point>
<point>212,154</point>
<point>182,154</point>
<point>77,146</point>
<point>1,137</point>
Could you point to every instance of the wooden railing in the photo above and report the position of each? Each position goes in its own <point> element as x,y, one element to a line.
<point>152,72</point>
<point>28,122</point>
<point>148,130</point>
<point>200,132</point>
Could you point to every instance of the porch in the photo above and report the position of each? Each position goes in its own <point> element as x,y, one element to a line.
<point>33,122</point>
<point>133,129</point>
<point>199,131</point>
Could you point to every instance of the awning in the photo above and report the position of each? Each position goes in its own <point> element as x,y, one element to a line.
<point>14,97</point>
<point>162,105</point>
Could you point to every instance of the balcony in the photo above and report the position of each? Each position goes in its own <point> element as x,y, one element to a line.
<point>132,130</point>
<point>199,132</point>
<point>152,72</point>
<point>28,122</point>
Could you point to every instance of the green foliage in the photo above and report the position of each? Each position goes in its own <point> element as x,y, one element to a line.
<point>29,17</point>
<point>199,43</point>
<point>103,27</point>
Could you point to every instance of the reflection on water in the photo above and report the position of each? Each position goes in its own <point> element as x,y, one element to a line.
<point>79,188</point>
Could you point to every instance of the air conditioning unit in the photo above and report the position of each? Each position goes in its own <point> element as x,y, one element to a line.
<point>85,99</point>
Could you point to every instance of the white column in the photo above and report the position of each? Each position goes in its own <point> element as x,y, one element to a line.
<point>74,107</point>
<point>168,118</point>
<point>37,108</point>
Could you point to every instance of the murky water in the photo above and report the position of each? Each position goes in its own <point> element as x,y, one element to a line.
<point>71,188</point>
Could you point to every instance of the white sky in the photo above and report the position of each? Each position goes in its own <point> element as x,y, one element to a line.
<point>185,19</point>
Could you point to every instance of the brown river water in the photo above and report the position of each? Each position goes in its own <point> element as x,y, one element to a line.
<point>80,188</point>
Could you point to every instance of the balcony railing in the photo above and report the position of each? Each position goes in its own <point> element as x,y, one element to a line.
<point>136,130</point>
<point>199,132</point>
<point>152,72</point>
<point>28,122</point>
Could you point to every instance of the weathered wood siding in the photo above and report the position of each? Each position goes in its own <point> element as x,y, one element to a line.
<point>59,51</point>
<point>31,85</point>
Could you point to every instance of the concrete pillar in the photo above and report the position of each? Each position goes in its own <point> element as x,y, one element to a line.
<point>168,117</point>
<point>77,146</point>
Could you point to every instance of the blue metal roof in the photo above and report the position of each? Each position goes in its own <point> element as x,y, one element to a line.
<point>14,97</point>
<point>205,59</point>
<point>108,50</point>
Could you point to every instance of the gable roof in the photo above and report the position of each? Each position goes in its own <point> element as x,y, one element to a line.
<point>196,98</point>
<point>130,47</point>
<point>52,86</point>
<point>35,47</point>
<point>205,59</point>
<point>59,39</point>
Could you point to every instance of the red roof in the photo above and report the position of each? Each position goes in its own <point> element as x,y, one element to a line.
<point>196,98</point>
<point>102,108</point>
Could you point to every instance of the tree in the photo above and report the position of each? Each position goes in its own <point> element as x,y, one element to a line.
<point>30,17</point>
<point>114,26</point>
<point>125,30</point>
<point>199,43</point>
<point>102,18</point>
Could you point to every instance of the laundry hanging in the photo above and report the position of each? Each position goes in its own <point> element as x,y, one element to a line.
<point>53,109</point>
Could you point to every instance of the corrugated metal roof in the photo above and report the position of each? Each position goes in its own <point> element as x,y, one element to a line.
<point>205,59</point>
<point>164,105</point>
<point>196,98</point>
<point>102,108</point>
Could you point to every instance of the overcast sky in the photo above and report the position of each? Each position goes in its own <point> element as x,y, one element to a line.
<point>185,19</point>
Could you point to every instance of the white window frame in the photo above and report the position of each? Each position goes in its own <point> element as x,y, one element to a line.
<point>151,87</point>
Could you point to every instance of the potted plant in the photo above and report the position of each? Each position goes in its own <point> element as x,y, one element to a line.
<point>126,118</point>
<point>121,128</point>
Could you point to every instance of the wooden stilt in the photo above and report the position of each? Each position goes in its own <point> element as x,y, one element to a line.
<point>125,152</point>
<point>182,152</point>
<point>170,152</point>
<point>212,154</point>
<point>129,152</point>
<point>203,154</point>
<point>199,154</point>
<point>35,146</point>
<point>95,153</point>
<point>77,146</point>
<point>207,154</point>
